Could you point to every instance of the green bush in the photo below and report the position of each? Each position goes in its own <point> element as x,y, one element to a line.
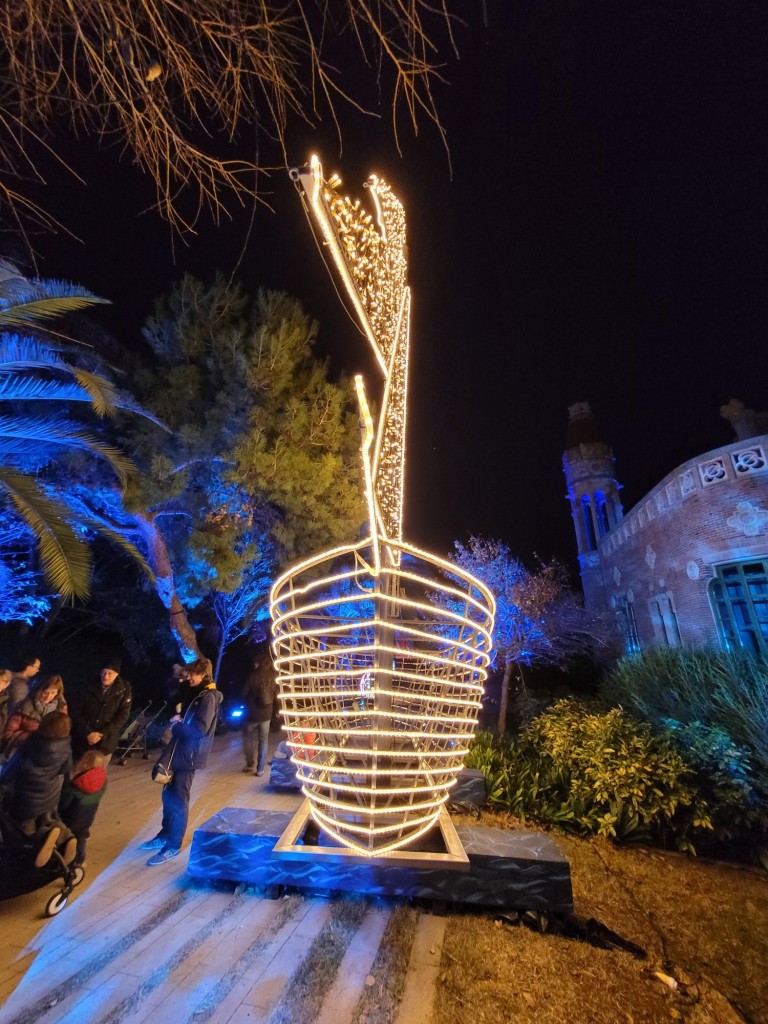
<point>725,779</point>
<point>594,772</point>
<point>718,690</point>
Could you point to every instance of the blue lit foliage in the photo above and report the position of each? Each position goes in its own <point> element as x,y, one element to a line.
<point>523,599</point>
<point>22,594</point>
<point>538,619</point>
<point>57,392</point>
<point>260,464</point>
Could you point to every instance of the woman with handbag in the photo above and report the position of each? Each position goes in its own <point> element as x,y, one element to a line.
<point>191,738</point>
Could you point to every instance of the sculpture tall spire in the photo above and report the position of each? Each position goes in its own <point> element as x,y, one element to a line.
<point>370,255</point>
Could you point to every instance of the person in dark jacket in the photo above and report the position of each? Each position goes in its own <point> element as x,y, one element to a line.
<point>259,696</point>
<point>80,797</point>
<point>191,738</point>
<point>35,775</point>
<point>100,714</point>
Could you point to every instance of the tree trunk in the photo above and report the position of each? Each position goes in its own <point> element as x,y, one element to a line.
<point>219,656</point>
<point>504,700</point>
<point>160,563</point>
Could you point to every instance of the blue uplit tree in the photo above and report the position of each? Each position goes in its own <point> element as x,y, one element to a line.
<point>260,462</point>
<point>539,620</point>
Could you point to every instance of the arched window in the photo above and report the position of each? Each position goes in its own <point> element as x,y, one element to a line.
<point>601,509</point>
<point>739,598</point>
<point>626,613</point>
<point>589,524</point>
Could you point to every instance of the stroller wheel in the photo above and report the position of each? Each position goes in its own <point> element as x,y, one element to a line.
<point>56,904</point>
<point>78,874</point>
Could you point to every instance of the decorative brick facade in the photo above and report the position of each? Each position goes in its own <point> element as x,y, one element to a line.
<point>655,566</point>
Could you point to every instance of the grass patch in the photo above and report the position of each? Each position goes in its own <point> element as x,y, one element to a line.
<point>705,924</point>
<point>307,989</point>
<point>379,1003</point>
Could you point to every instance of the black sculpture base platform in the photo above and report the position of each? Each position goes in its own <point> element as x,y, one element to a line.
<point>508,869</point>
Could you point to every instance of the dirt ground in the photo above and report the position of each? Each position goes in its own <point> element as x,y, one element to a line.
<point>657,937</point>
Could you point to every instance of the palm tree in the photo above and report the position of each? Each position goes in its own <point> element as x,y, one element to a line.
<point>39,364</point>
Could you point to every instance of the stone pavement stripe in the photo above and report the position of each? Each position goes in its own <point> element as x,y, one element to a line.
<point>89,1004</point>
<point>174,931</point>
<point>75,981</point>
<point>342,998</point>
<point>164,969</point>
<point>314,976</point>
<point>263,981</point>
<point>200,972</point>
<point>423,968</point>
<point>292,912</point>
<point>60,959</point>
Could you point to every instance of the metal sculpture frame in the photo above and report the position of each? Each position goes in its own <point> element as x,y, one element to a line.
<point>381,648</point>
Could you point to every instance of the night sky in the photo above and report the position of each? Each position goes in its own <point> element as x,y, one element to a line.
<point>602,238</point>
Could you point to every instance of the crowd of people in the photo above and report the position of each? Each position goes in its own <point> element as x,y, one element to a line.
<point>53,757</point>
<point>54,751</point>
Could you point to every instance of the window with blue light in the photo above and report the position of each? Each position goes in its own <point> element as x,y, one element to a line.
<point>739,598</point>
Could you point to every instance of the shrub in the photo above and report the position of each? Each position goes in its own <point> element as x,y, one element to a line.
<point>725,779</point>
<point>724,692</point>
<point>594,772</point>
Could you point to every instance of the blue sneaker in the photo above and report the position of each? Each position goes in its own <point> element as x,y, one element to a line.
<point>167,853</point>
<point>153,844</point>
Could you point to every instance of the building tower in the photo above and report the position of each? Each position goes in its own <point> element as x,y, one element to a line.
<point>593,492</point>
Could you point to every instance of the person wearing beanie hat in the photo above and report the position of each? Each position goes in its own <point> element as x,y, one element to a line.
<point>100,713</point>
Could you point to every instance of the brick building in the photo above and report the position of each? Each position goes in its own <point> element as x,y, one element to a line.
<point>688,565</point>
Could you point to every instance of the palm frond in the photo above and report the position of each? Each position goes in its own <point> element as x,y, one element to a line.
<point>26,314</point>
<point>102,392</point>
<point>97,526</point>
<point>21,388</point>
<point>20,352</point>
<point>63,434</point>
<point>17,386</point>
<point>65,558</point>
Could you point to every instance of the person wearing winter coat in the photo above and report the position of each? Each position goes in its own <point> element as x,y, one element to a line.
<point>80,797</point>
<point>258,695</point>
<point>35,775</point>
<point>45,697</point>
<point>99,716</point>
<point>191,737</point>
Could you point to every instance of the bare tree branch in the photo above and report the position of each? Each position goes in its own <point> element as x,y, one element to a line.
<point>182,85</point>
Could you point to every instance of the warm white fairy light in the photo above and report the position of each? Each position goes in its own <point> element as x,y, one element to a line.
<point>381,649</point>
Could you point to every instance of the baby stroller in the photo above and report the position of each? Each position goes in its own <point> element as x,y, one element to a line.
<point>19,875</point>
<point>135,737</point>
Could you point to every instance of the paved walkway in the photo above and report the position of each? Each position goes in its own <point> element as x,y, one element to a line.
<point>140,944</point>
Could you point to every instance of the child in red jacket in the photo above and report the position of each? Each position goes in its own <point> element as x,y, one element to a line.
<point>80,797</point>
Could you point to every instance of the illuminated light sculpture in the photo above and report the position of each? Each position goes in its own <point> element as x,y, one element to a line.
<point>381,649</point>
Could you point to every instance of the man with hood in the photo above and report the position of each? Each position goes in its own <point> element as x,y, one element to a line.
<point>191,737</point>
<point>100,713</point>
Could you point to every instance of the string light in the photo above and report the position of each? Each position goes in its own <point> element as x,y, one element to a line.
<point>381,648</point>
